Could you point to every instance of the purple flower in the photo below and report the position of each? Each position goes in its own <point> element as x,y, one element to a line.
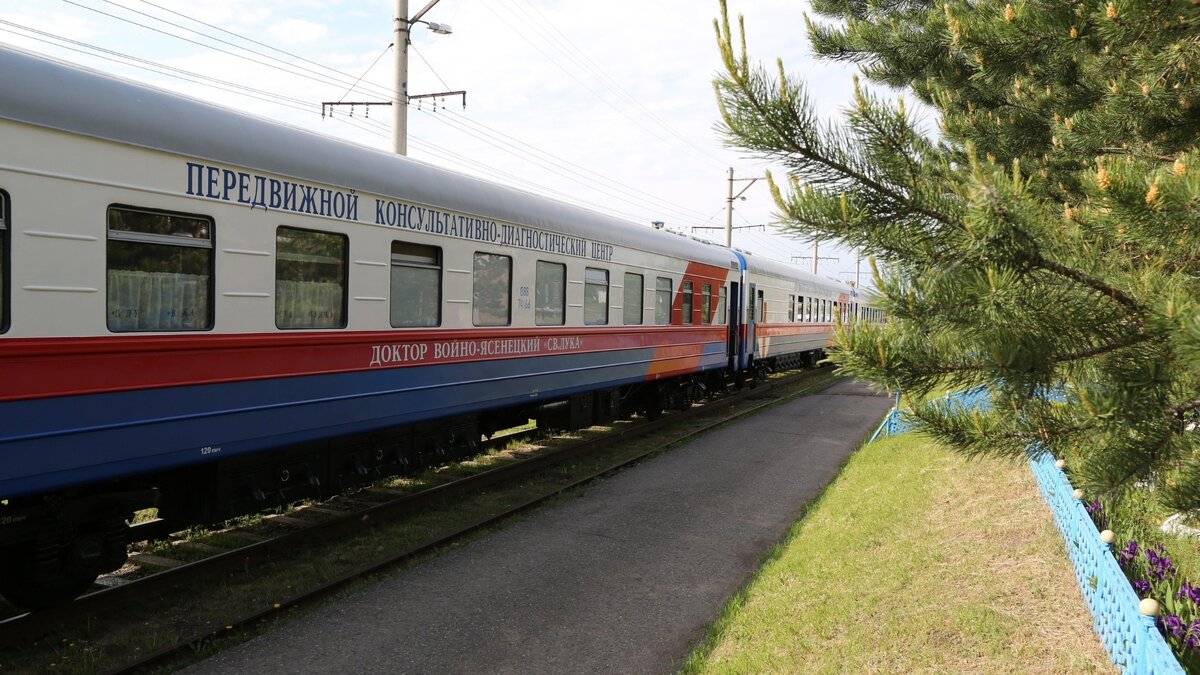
<point>1142,587</point>
<point>1192,641</point>
<point>1160,565</point>
<point>1127,553</point>
<point>1187,590</point>
<point>1171,624</point>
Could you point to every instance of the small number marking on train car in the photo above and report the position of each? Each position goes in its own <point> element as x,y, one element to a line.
<point>209,450</point>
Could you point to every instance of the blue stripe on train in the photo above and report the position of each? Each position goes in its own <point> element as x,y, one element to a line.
<point>47,444</point>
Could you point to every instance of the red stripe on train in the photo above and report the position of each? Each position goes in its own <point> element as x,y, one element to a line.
<point>42,367</point>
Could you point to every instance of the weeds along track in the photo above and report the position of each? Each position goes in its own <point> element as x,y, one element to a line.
<point>81,634</point>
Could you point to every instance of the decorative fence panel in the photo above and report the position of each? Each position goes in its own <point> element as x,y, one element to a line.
<point>1130,638</point>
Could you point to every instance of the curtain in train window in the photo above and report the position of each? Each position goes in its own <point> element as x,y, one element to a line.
<point>159,268</point>
<point>416,300</point>
<point>491,290</point>
<point>550,294</point>
<point>721,318</point>
<point>662,301</point>
<point>687,302</point>
<point>706,303</point>
<point>4,285</point>
<point>595,296</point>
<point>310,278</point>
<point>634,294</point>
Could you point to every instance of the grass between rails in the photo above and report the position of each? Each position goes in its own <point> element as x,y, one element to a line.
<point>915,559</point>
<point>102,643</point>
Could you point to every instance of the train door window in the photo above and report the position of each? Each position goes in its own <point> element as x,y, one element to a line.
<point>491,290</point>
<point>595,296</point>
<point>550,294</point>
<point>159,269</point>
<point>634,296</point>
<point>706,303</point>
<point>721,318</point>
<point>662,301</point>
<point>310,278</point>
<point>4,285</point>
<point>416,285</point>
<point>687,302</point>
<point>791,308</point>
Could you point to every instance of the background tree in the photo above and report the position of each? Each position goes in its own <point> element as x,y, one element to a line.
<point>1047,239</point>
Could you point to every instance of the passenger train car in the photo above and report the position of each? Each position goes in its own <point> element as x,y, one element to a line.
<point>210,313</point>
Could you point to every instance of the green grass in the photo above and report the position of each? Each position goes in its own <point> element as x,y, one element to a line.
<point>914,560</point>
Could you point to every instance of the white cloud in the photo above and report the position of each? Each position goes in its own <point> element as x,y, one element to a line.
<point>297,31</point>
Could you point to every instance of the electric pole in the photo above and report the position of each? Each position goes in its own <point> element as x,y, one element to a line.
<point>402,31</point>
<point>729,204</point>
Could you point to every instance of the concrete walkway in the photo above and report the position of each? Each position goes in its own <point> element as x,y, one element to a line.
<point>622,579</point>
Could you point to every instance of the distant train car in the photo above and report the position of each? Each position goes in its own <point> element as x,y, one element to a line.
<point>212,314</point>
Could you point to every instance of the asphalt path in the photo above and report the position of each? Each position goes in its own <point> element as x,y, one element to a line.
<point>622,579</point>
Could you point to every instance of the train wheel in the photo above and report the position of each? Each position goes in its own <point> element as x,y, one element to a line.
<point>54,570</point>
<point>23,586</point>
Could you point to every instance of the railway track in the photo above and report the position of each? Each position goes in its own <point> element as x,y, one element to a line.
<point>26,629</point>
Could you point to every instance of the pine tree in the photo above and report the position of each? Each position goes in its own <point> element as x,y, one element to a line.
<point>1045,240</point>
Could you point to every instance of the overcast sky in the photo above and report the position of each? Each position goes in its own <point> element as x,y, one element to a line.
<point>605,104</point>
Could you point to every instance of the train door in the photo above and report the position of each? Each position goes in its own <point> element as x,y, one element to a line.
<point>734,325</point>
<point>4,283</point>
<point>753,307</point>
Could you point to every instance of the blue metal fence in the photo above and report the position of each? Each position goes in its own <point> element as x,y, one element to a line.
<point>1130,638</point>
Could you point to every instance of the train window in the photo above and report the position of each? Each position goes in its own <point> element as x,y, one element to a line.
<point>595,296</point>
<point>310,278</point>
<point>706,304</point>
<point>550,294</point>
<point>662,301</point>
<point>808,309</point>
<point>687,302</point>
<point>416,285</point>
<point>791,308</point>
<point>634,295</point>
<point>4,215</point>
<point>762,307</point>
<point>721,306</point>
<point>491,291</point>
<point>160,270</point>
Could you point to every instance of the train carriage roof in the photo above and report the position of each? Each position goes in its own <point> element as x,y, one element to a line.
<point>47,93</point>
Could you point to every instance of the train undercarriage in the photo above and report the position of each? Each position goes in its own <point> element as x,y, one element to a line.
<point>52,547</point>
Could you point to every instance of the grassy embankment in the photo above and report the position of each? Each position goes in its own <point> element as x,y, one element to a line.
<point>914,560</point>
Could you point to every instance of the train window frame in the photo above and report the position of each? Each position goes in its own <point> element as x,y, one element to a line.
<point>541,303</point>
<point>413,257</point>
<point>631,307</point>
<point>706,304</point>
<point>663,295</point>
<point>5,266</point>
<point>341,321</point>
<point>202,238</point>
<point>475,294</point>
<point>687,293</point>
<point>592,284</point>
